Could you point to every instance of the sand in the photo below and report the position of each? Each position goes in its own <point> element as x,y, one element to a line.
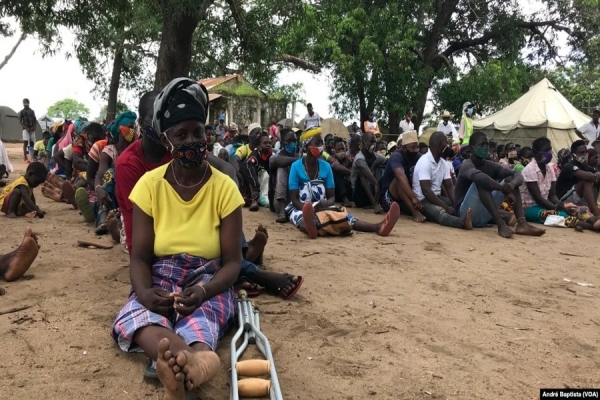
<point>428,312</point>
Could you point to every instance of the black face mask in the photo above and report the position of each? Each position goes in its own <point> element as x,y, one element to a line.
<point>448,153</point>
<point>412,157</point>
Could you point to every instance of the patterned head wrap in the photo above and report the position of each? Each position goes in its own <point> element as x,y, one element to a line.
<point>564,156</point>
<point>120,125</point>
<point>80,124</point>
<point>181,100</point>
<point>307,135</point>
<point>56,127</point>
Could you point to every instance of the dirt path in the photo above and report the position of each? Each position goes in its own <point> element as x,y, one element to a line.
<point>428,312</point>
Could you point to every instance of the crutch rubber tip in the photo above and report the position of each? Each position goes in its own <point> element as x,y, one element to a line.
<point>242,293</point>
<point>254,387</point>
<point>252,367</point>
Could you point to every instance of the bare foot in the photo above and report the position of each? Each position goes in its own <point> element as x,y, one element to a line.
<point>171,380</point>
<point>418,216</point>
<point>467,221</point>
<point>54,180</point>
<point>504,231</point>
<point>308,214</point>
<point>386,226</point>
<point>15,264</point>
<point>68,193</point>
<point>262,229</point>
<point>11,215</point>
<point>114,230</point>
<point>49,191</point>
<point>378,209</point>
<point>509,218</point>
<point>31,214</point>
<point>524,228</point>
<point>198,366</point>
<point>256,247</point>
<point>596,225</point>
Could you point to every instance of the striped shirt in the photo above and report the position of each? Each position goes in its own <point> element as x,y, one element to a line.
<point>27,117</point>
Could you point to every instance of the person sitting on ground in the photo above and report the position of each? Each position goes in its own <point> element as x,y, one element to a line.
<point>397,178</point>
<point>83,143</point>
<point>577,182</point>
<point>463,154</point>
<point>257,161</point>
<point>367,169</point>
<point>341,179</point>
<point>381,147</point>
<point>64,157</point>
<point>148,154</point>
<point>525,157</point>
<point>510,156</point>
<point>493,151</point>
<point>481,187</point>
<point>279,173</point>
<point>17,199</point>
<point>182,300</point>
<point>39,148</point>
<point>121,135</point>
<point>431,173</point>
<point>312,193</point>
<point>539,192</point>
<point>13,265</point>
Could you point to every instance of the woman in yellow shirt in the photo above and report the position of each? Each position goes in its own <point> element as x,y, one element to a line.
<point>186,251</point>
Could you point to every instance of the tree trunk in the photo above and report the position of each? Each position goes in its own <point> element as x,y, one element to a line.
<point>12,51</point>
<point>175,52</point>
<point>394,119</point>
<point>115,81</point>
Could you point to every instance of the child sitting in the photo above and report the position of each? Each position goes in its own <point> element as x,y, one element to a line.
<point>17,200</point>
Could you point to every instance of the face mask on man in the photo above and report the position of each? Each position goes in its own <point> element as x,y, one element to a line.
<point>482,152</point>
<point>582,159</point>
<point>470,111</point>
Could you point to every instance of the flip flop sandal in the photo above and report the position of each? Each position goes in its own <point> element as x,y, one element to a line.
<point>149,371</point>
<point>299,282</point>
<point>254,292</point>
<point>83,202</point>
<point>68,193</point>
<point>94,245</point>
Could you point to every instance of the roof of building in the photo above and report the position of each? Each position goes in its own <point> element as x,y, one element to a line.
<point>210,83</point>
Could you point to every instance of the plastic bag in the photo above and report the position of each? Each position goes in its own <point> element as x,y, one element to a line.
<point>555,220</point>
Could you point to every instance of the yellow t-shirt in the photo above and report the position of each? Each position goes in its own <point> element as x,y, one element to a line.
<point>12,186</point>
<point>243,151</point>
<point>191,227</point>
<point>40,147</point>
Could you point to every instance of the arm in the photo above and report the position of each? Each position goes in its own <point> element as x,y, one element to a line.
<point>461,131</point>
<point>449,188</point>
<point>79,162</point>
<point>339,168</point>
<point>231,255</point>
<point>534,191</point>
<point>482,180</point>
<point>21,120</point>
<point>587,176</point>
<point>281,161</point>
<point>28,199</point>
<point>402,181</point>
<point>95,171</point>
<point>430,196</point>
<point>59,158</point>
<point>364,171</point>
<point>140,267</point>
<point>295,197</point>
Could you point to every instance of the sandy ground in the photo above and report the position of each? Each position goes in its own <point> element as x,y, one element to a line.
<point>428,312</point>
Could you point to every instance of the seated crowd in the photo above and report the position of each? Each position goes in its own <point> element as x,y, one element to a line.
<point>158,181</point>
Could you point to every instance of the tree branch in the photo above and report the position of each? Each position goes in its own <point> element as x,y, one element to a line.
<point>488,36</point>
<point>298,62</point>
<point>14,49</point>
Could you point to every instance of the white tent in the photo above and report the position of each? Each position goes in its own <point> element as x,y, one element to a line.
<point>542,111</point>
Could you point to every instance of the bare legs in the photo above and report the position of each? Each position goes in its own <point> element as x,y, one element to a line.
<point>399,194</point>
<point>585,190</point>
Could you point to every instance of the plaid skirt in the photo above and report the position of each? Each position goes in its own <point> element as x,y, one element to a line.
<point>207,324</point>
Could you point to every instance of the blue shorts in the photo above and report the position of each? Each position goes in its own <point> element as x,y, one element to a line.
<point>481,216</point>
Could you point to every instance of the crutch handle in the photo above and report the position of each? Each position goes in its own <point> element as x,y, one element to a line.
<point>254,387</point>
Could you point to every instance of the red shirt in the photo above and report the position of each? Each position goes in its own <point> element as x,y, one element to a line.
<point>131,166</point>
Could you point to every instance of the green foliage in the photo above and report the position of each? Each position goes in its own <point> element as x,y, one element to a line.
<point>289,93</point>
<point>68,109</point>
<point>242,89</point>
<point>491,86</point>
<point>580,85</point>
<point>121,107</point>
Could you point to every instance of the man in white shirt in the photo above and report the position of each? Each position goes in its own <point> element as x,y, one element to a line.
<point>430,174</point>
<point>406,125</point>
<point>312,119</point>
<point>447,127</point>
<point>591,130</point>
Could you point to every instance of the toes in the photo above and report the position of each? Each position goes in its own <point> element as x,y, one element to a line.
<point>182,360</point>
<point>163,348</point>
<point>180,377</point>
